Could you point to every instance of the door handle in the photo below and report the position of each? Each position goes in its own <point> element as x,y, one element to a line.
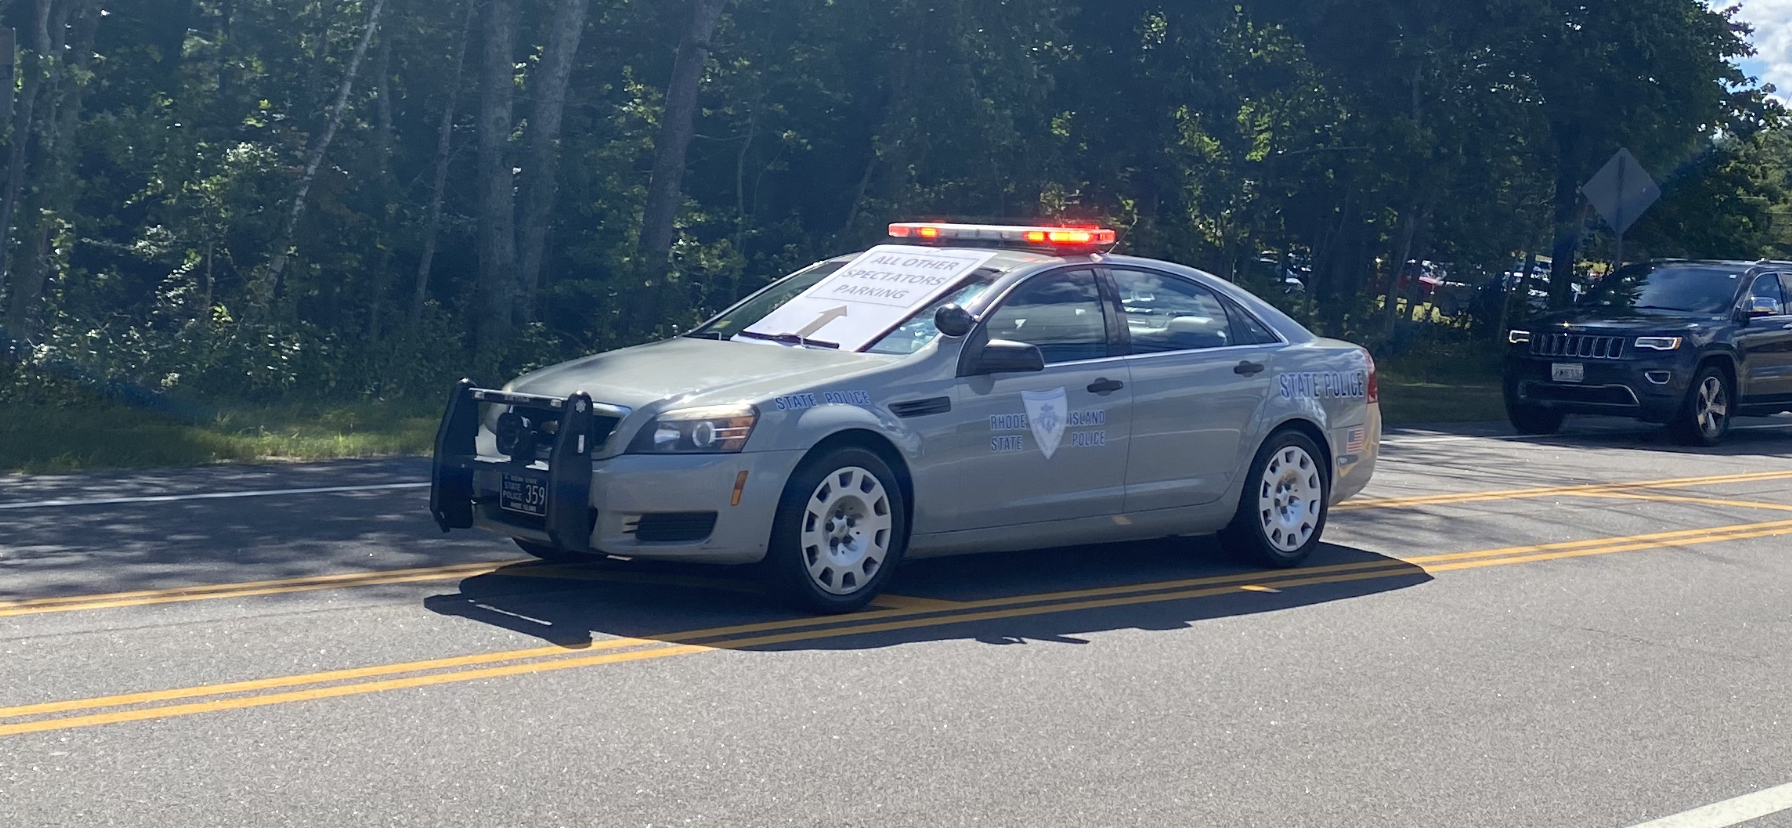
<point>1105,386</point>
<point>1248,368</point>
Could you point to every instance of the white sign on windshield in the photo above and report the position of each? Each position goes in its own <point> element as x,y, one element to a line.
<point>871,294</point>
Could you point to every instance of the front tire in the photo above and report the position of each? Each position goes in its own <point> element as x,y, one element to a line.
<point>1704,418</point>
<point>1284,505</point>
<point>842,526</point>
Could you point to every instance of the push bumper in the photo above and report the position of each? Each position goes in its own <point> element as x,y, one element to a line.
<point>454,496</point>
<point>707,508</point>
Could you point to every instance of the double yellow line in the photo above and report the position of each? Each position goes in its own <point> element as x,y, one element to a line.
<point>283,586</point>
<point>35,606</point>
<point>1362,503</point>
<point>905,615</point>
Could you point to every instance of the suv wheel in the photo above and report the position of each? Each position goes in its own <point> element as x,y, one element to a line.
<point>1286,498</point>
<point>1534,419</point>
<point>1704,417</point>
<point>842,525</point>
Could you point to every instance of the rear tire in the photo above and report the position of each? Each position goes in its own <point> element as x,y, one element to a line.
<point>841,528</point>
<point>1704,417</point>
<point>1534,419</point>
<point>1286,499</point>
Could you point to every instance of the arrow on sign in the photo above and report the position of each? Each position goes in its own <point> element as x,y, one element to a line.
<point>822,321</point>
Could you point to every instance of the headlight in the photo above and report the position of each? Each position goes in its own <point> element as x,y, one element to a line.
<point>716,429</point>
<point>1658,343</point>
<point>1518,337</point>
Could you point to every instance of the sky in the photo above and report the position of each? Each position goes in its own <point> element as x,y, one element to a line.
<point>1772,20</point>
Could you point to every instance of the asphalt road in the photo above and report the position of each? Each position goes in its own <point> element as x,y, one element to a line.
<point>1593,630</point>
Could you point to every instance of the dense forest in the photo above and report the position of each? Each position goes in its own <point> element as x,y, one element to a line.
<point>367,198</point>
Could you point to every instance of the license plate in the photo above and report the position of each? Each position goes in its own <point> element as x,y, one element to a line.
<point>1568,372</point>
<point>519,493</point>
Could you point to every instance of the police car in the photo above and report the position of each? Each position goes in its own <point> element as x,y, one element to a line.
<point>963,388</point>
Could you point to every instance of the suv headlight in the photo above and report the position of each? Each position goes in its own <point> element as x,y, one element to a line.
<point>1518,337</point>
<point>715,429</point>
<point>1658,343</point>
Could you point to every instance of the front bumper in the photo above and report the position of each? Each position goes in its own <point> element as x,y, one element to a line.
<point>1650,388</point>
<point>672,507</point>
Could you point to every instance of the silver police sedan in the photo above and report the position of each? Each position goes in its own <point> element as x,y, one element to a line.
<point>964,388</point>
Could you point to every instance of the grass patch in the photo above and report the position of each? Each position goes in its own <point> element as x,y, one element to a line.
<point>1412,402</point>
<point>102,435</point>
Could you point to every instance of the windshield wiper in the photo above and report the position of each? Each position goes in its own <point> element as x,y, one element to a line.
<point>791,339</point>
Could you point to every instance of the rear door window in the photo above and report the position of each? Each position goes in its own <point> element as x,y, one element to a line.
<point>1167,313</point>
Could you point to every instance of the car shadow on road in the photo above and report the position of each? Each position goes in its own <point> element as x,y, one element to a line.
<point>1057,595</point>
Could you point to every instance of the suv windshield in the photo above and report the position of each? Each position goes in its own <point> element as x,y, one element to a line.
<point>1699,289</point>
<point>912,335</point>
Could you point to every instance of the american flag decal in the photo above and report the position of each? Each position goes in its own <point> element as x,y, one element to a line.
<point>1354,443</point>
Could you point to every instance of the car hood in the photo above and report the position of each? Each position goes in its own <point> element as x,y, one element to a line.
<point>1614,322</point>
<point>699,370</point>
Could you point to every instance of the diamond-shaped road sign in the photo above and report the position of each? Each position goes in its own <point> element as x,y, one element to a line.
<point>1622,191</point>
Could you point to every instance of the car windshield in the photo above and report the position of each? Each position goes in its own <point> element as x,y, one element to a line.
<point>759,306</point>
<point>915,332</point>
<point>1701,289</point>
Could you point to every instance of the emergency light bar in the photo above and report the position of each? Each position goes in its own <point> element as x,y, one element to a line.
<point>1013,234</point>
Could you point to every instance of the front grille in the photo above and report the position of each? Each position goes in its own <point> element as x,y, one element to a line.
<point>672,527</point>
<point>1578,346</point>
<point>529,434</point>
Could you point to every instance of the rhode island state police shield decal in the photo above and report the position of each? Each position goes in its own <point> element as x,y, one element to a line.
<point>1047,412</point>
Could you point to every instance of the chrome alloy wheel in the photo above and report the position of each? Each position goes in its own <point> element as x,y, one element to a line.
<point>846,531</point>
<point>1712,408</point>
<point>1289,498</point>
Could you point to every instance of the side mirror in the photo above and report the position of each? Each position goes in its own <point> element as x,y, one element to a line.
<point>1760,306</point>
<point>1001,356</point>
<point>953,320</point>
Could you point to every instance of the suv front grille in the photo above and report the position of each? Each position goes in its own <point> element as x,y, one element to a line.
<point>1578,346</point>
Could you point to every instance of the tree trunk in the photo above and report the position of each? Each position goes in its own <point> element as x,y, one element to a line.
<point>541,171</point>
<point>262,290</point>
<point>497,199</point>
<point>55,199</point>
<point>169,37</point>
<point>382,271</point>
<point>1568,222</point>
<point>677,125</point>
<point>444,154</point>
<point>23,128</point>
<point>1409,228</point>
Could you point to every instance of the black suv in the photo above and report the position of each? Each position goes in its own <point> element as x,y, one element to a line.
<point>1686,343</point>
